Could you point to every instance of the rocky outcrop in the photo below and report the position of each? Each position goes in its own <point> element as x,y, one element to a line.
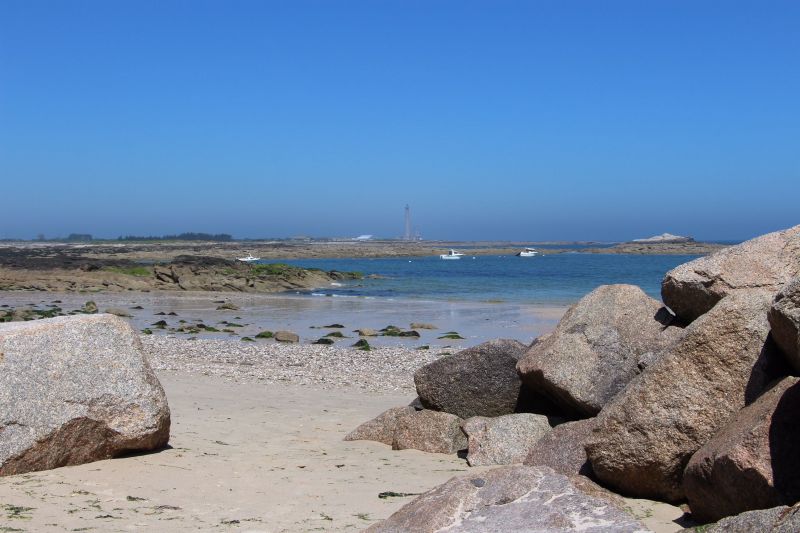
<point>597,348</point>
<point>53,271</point>
<point>213,274</point>
<point>478,381</point>
<point>75,390</point>
<point>665,238</point>
<point>766,263</point>
<point>563,449</point>
<point>382,427</point>
<point>503,440</point>
<point>784,317</point>
<point>776,520</point>
<point>429,431</point>
<point>508,499</point>
<point>646,436</point>
<point>753,462</point>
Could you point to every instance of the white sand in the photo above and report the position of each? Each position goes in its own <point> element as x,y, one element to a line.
<point>246,457</point>
<point>268,456</point>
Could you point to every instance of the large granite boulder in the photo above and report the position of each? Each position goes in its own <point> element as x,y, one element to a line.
<point>776,520</point>
<point>478,381</point>
<point>597,347</point>
<point>503,440</point>
<point>509,499</point>
<point>382,427</point>
<point>563,449</point>
<point>645,437</point>
<point>75,390</point>
<point>753,463</point>
<point>784,317</point>
<point>766,263</point>
<point>429,431</point>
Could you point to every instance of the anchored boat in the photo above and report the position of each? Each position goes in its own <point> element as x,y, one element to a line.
<point>249,259</point>
<point>452,254</point>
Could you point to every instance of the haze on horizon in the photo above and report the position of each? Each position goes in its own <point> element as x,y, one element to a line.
<point>508,120</point>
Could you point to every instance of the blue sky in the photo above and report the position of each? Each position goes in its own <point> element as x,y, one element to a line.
<point>494,120</point>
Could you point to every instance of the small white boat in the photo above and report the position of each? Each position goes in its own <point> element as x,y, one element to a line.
<point>452,254</point>
<point>249,258</point>
<point>528,252</point>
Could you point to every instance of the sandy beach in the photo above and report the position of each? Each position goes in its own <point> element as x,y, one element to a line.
<point>256,445</point>
<point>244,457</point>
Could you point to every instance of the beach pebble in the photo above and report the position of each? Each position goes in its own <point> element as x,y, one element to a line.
<point>286,336</point>
<point>381,369</point>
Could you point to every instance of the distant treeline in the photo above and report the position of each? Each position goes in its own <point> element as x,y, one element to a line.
<point>219,237</point>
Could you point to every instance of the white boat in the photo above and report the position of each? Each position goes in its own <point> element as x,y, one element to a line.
<point>249,258</point>
<point>452,254</point>
<point>528,252</point>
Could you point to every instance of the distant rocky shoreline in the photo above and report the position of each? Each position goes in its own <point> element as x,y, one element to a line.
<point>68,271</point>
<point>148,266</point>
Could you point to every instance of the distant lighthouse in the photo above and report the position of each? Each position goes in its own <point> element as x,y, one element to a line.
<point>407,235</point>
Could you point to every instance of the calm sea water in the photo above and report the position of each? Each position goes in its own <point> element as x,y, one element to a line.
<point>547,279</point>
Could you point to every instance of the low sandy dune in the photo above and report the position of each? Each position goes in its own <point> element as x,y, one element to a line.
<point>245,457</point>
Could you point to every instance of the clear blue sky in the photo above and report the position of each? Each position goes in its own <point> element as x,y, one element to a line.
<point>535,120</point>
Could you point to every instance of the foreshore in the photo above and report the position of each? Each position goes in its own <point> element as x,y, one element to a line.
<point>307,316</point>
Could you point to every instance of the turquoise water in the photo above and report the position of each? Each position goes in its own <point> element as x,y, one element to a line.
<point>546,279</point>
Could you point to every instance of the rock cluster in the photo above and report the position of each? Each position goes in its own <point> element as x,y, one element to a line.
<point>646,436</point>
<point>695,401</point>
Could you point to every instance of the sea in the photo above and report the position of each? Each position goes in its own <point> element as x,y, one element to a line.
<point>479,298</point>
<point>546,280</point>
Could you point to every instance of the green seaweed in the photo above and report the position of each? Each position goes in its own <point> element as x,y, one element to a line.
<point>363,345</point>
<point>138,271</point>
<point>392,494</point>
<point>17,512</point>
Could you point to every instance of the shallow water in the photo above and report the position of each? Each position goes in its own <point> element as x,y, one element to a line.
<point>559,279</point>
<point>307,316</point>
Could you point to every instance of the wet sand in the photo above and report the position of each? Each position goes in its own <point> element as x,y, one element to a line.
<point>305,315</point>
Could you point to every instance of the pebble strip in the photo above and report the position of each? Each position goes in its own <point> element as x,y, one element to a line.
<point>381,369</point>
